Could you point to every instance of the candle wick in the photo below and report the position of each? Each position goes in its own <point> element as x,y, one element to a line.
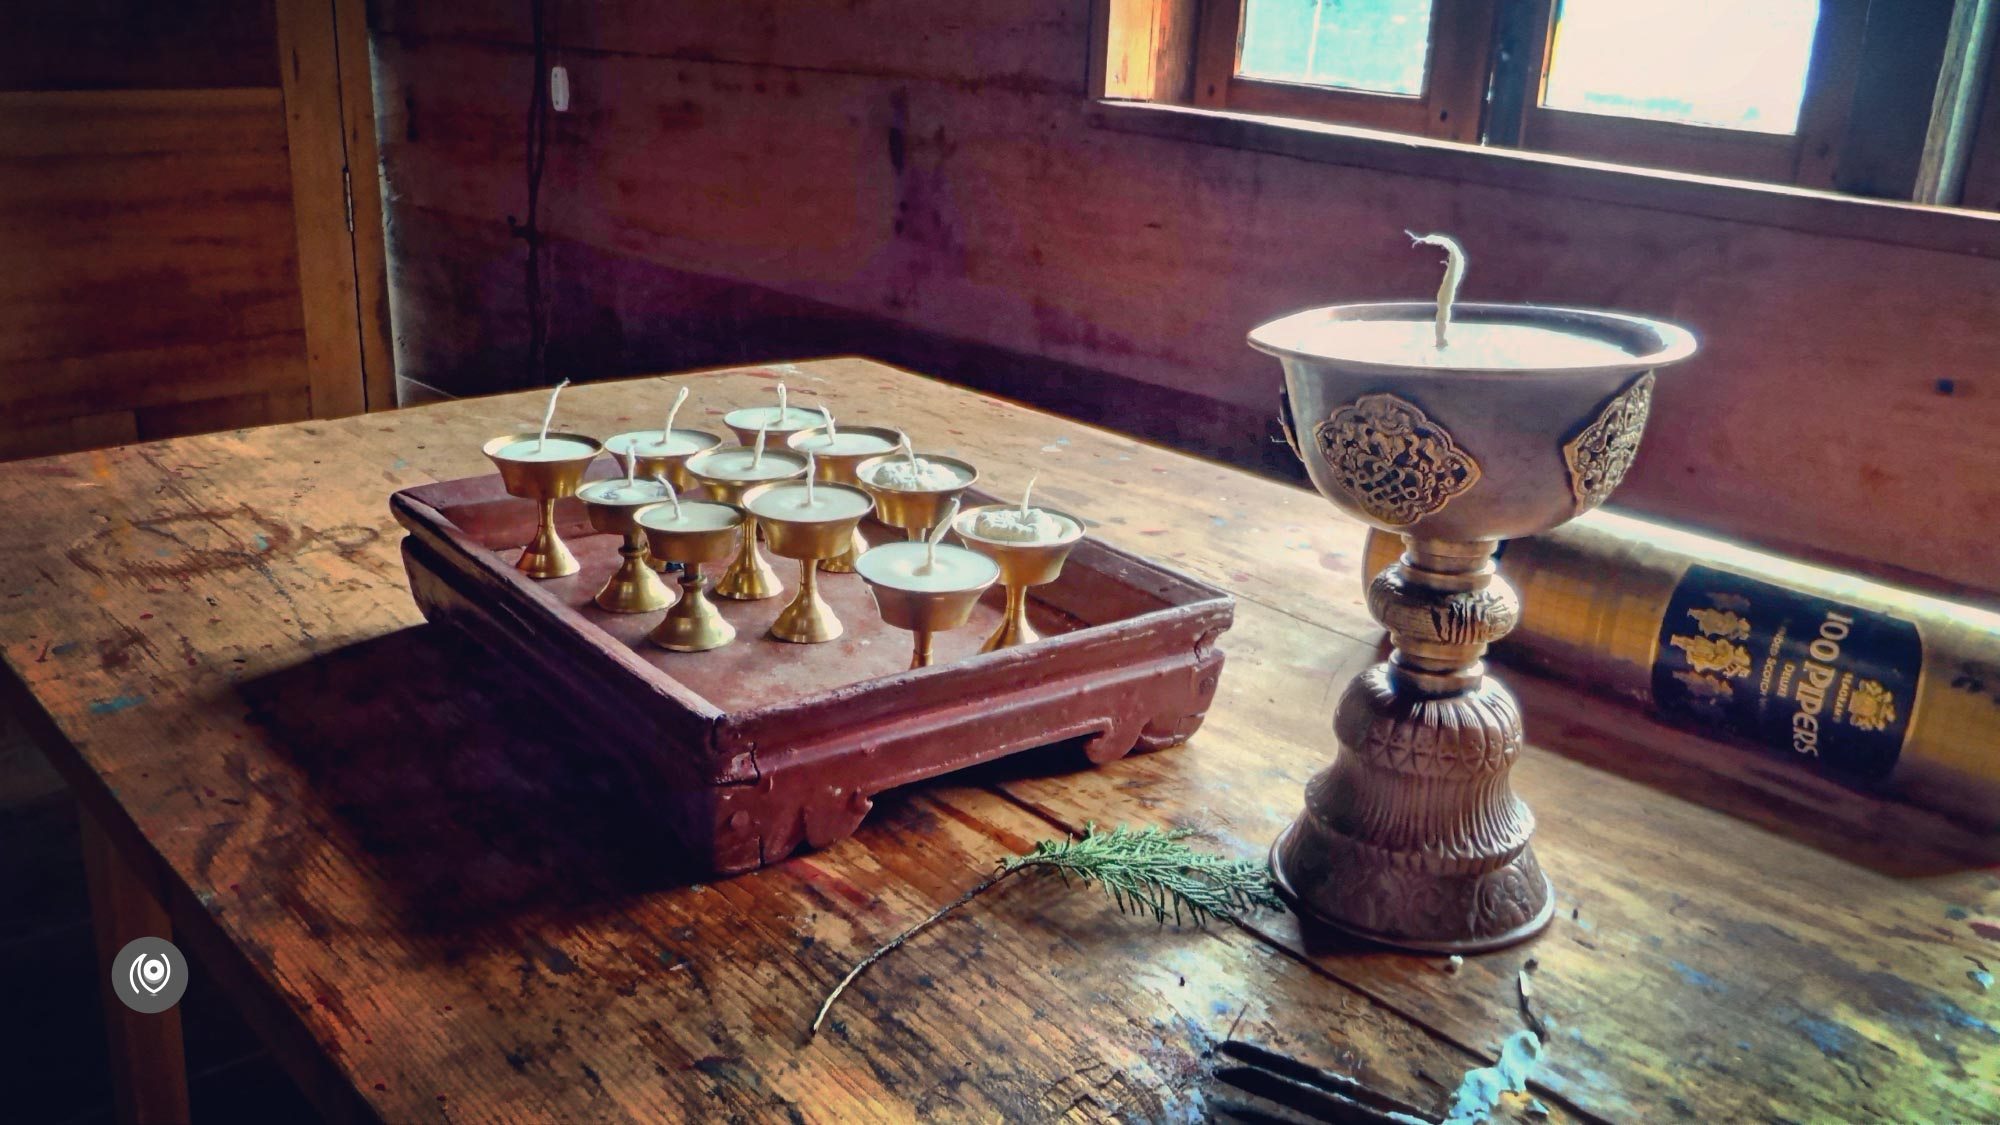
<point>782,408</point>
<point>937,536</point>
<point>810,470</point>
<point>831,432</point>
<point>1454,273</point>
<point>909,451</point>
<point>672,494</point>
<point>757,459</point>
<point>549,416</point>
<point>632,464</point>
<point>1027,492</point>
<point>667,430</point>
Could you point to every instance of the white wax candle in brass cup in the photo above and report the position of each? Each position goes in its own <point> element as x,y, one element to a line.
<point>912,491</point>
<point>543,467</point>
<point>728,472</point>
<point>926,588</point>
<point>613,505</point>
<point>779,422</point>
<point>665,450</point>
<point>837,451</point>
<point>692,533</point>
<point>808,521</point>
<point>1030,546</point>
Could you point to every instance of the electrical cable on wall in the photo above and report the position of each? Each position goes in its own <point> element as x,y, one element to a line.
<point>536,297</point>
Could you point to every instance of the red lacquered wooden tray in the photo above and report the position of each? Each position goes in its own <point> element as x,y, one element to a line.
<point>760,746</point>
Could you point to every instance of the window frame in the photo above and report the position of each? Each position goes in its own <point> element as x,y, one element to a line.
<point>1467,58</point>
<point>1450,108</point>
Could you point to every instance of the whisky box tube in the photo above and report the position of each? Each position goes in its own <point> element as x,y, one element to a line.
<point>1883,688</point>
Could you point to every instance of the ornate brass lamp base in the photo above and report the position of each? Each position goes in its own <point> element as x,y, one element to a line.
<point>546,555</point>
<point>634,587</point>
<point>1412,836</point>
<point>693,624</point>
<point>751,577</point>
<point>808,620</point>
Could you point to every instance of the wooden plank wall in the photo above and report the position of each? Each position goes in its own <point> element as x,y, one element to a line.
<point>154,245</point>
<point>747,179</point>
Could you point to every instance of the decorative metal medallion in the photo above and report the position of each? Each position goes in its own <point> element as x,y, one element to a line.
<point>1396,464</point>
<point>1599,456</point>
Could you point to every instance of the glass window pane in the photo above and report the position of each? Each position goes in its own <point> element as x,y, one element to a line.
<point>1374,45</point>
<point>1735,64</point>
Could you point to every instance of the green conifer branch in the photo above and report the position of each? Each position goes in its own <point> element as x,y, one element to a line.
<point>1145,871</point>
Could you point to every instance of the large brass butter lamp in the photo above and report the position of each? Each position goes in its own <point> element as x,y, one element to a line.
<point>1456,430</point>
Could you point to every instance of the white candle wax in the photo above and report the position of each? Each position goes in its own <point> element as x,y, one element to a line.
<point>793,419</point>
<point>924,476</point>
<point>620,491</point>
<point>695,515</point>
<point>901,566</point>
<point>1012,525</point>
<point>740,464</point>
<point>1474,345</point>
<point>553,449</point>
<point>845,444</point>
<point>647,443</point>
<point>788,502</point>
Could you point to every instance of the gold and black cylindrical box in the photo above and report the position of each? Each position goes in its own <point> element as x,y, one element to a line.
<point>1882,687</point>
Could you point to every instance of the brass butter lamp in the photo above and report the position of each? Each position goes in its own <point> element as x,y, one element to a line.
<point>926,588</point>
<point>692,533</point>
<point>1030,546</point>
<point>807,521</point>
<point>1455,426</point>
<point>665,451</point>
<point>912,492</point>
<point>728,472</point>
<point>613,506</point>
<point>838,450</point>
<point>544,468</point>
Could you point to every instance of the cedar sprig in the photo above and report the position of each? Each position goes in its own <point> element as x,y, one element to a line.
<point>1146,871</point>
<point>1150,871</point>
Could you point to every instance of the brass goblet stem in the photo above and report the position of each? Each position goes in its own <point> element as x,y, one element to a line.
<point>546,555</point>
<point>693,624</point>
<point>1014,628</point>
<point>750,577</point>
<point>633,587</point>
<point>808,619</point>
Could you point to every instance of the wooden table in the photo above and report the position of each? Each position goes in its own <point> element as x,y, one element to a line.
<point>419,889</point>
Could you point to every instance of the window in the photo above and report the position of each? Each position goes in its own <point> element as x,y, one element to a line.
<point>1842,94</point>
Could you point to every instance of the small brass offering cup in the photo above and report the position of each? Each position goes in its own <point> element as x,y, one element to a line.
<point>837,462</point>
<point>1529,417</point>
<point>1023,563</point>
<point>744,423</point>
<point>655,458</point>
<point>915,510</point>
<point>613,505</point>
<point>545,472</point>
<point>925,603</point>
<point>724,472</point>
<point>702,532</point>
<point>807,529</point>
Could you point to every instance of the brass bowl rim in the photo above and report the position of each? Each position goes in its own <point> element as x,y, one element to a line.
<point>639,517</point>
<point>861,474</point>
<point>1663,342</point>
<point>773,431</point>
<point>962,524</point>
<point>750,495</point>
<point>986,585</point>
<point>769,451</point>
<point>890,434</point>
<point>714,440</point>
<point>493,443</point>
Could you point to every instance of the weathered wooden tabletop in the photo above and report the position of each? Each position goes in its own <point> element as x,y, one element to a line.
<point>421,888</point>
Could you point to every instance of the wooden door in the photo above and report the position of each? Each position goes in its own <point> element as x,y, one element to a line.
<point>190,223</point>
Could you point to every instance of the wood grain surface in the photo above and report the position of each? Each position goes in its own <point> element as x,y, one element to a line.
<point>432,896</point>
